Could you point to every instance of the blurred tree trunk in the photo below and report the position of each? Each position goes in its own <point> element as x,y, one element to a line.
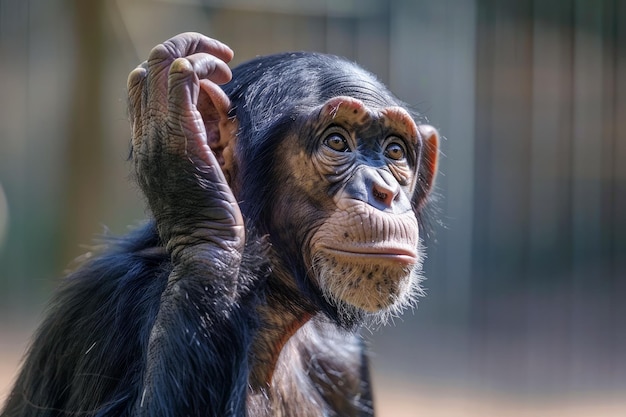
<point>85,166</point>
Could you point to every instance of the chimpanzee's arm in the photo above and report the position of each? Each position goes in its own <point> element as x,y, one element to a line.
<point>196,361</point>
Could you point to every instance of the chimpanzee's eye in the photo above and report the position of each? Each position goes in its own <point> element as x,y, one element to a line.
<point>337,142</point>
<point>395,151</point>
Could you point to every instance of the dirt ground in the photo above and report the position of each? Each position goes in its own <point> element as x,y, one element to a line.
<point>396,397</point>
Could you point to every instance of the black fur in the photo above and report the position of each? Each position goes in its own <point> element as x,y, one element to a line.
<point>88,356</point>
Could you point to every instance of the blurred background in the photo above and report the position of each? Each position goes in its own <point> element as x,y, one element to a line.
<point>527,258</point>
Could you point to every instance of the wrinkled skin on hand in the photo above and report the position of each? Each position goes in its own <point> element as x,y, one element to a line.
<point>196,212</point>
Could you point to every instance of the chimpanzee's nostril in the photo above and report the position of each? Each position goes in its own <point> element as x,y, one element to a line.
<point>383,194</point>
<point>380,196</point>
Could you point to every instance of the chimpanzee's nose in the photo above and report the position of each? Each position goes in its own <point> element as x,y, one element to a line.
<point>385,193</point>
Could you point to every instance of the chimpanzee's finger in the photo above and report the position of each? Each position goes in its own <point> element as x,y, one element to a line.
<point>209,67</point>
<point>136,100</point>
<point>183,89</point>
<point>187,44</point>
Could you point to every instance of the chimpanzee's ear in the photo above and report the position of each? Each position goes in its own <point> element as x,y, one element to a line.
<point>214,106</point>
<point>428,163</point>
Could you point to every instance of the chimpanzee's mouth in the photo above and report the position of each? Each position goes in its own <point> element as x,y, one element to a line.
<point>380,253</point>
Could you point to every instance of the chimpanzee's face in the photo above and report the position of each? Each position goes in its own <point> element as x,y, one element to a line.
<point>353,172</point>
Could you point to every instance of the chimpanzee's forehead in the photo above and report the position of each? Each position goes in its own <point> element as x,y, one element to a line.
<point>358,115</point>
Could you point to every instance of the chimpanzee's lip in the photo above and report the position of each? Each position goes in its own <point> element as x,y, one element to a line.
<point>395,254</point>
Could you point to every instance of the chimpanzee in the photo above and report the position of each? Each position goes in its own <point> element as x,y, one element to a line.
<point>285,212</point>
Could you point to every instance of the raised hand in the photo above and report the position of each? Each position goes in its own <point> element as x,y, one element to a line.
<point>177,112</point>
